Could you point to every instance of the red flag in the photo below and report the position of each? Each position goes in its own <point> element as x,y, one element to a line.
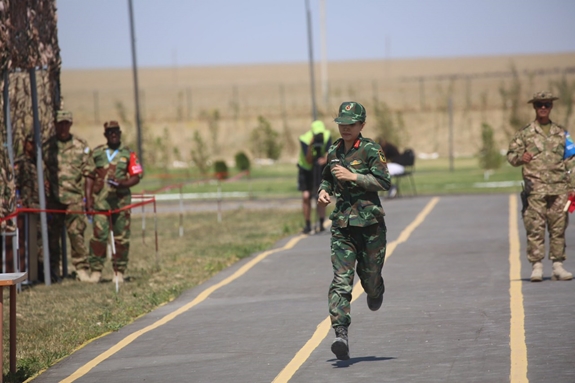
<point>134,166</point>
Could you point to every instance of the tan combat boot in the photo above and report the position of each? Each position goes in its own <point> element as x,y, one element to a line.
<point>118,276</point>
<point>82,275</point>
<point>95,277</point>
<point>559,273</point>
<point>537,273</point>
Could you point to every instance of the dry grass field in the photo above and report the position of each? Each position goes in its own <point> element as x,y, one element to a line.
<point>176,101</point>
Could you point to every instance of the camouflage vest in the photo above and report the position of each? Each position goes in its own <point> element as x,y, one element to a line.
<point>547,173</point>
<point>27,181</point>
<point>67,163</point>
<point>358,203</point>
<point>111,163</point>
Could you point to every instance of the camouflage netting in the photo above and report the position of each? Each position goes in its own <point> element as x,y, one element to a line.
<point>28,39</point>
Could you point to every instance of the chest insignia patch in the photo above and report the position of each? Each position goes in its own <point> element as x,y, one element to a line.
<point>355,162</point>
<point>123,159</point>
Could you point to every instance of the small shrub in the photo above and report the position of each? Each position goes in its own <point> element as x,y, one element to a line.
<point>489,157</point>
<point>221,170</point>
<point>265,141</point>
<point>242,162</point>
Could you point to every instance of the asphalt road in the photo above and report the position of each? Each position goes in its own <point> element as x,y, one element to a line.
<point>458,307</point>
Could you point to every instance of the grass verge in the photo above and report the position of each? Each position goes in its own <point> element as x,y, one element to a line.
<point>54,321</point>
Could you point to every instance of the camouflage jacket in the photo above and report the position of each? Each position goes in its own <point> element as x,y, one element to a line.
<point>26,178</point>
<point>67,163</point>
<point>7,194</point>
<point>547,173</point>
<point>105,196</point>
<point>358,203</point>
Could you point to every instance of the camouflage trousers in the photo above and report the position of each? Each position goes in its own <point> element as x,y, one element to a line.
<point>99,242</point>
<point>545,211</point>
<point>75,226</point>
<point>366,246</point>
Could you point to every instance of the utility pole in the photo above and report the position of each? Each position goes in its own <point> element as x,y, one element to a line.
<point>136,88</point>
<point>323,34</point>
<point>310,50</point>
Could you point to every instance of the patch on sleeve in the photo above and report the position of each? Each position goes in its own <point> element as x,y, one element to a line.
<point>87,150</point>
<point>381,156</point>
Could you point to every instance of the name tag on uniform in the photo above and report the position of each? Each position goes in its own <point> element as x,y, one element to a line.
<point>123,159</point>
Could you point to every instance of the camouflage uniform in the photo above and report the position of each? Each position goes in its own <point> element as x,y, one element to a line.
<point>27,184</point>
<point>67,164</point>
<point>7,197</point>
<point>111,163</point>
<point>358,226</point>
<point>547,175</point>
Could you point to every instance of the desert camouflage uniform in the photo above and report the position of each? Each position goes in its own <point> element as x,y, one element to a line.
<point>7,197</point>
<point>27,184</point>
<point>107,198</point>
<point>67,164</point>
<point>547,174</point>
<point>358,226</point>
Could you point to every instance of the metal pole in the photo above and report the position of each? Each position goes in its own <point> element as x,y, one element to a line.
<point>181,211</point>
<point>136,88</point>
<point>310,51</point>
<point>41,193</point>
<point>324,80</point>
<point>450,134</point>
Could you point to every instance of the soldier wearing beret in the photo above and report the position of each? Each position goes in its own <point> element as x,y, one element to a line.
<point>70,172</point>
<point>117,170</point>
<point>540,149</point>
<point>356,171</point>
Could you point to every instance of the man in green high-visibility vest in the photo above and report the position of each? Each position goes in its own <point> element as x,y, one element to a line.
<point>312,159</point>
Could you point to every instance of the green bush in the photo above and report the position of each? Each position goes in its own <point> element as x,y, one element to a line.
<point>221,169</point>
<point>265,141</point>
<point>242,161</point>
<point>489,157</point>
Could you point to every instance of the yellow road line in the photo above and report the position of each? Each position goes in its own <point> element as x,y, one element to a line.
<point>200,298</point>
<point>323,328</point>
<point>517,346</point>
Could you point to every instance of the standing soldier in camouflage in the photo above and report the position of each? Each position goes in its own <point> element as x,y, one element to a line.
<point>540,148</point>
<point>70,172</point>
<point>26,178</point>
<point>356,171</point>
<point>117,170</point>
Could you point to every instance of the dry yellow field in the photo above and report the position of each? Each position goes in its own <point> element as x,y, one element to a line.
<point>176,99</point>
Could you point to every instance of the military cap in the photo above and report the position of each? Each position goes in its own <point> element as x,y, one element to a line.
<point>111,125</point>
<point>350,112</point>
<point>63,115</point>
<point>542,96</point>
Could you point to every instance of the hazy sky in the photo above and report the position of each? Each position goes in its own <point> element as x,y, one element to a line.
<point>96,33</point>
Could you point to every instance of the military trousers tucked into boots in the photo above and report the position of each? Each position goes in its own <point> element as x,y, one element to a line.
<point>366,246</point>
<point>101,237</point>
<point>75,226</point>
<point>545,211</point>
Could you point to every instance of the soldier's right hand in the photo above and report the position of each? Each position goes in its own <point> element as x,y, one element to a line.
<point>323,198</point>
<point>526,157</point>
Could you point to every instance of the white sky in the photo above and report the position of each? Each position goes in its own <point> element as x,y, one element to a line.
<point>96,33</point>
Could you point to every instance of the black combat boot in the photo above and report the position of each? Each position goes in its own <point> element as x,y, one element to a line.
<point>340,345</point>
<point>375,303</point>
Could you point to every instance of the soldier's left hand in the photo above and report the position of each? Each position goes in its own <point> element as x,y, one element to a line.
<point>343,174</point>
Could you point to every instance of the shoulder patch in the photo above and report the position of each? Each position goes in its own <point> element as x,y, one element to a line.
<point>381,156</point>
<point>87,150</point>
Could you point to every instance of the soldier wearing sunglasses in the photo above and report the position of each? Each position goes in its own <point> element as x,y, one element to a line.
<point>540,148</point>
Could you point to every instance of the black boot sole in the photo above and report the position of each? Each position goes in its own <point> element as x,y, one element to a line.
<point>340,349</point>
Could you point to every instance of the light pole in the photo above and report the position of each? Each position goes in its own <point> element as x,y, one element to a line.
<point>136,88</point>
<point>310,50</point>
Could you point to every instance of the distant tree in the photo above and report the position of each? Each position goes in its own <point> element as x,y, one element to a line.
<point>199,153</point>
<point>265,142</point>
<point>489,156</point>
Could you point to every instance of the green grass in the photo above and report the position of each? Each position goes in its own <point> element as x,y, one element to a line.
<point>55,320</point>
<point>280,180</point>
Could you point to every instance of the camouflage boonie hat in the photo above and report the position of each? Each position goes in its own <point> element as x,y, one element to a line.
<point>542,96</point>
<point>63,115</point>
<point>111,125</point>
<point>350,112</point>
